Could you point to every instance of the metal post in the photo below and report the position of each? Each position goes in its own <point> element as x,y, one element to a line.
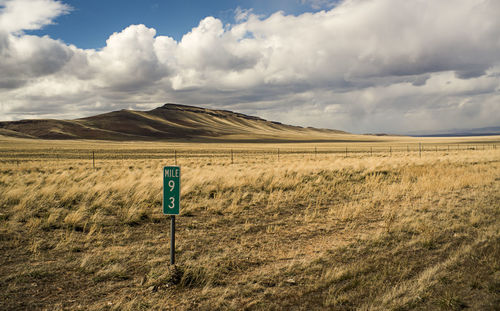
<point>93,160</point>
<point>175,157</point>
<point>232,156</point>
<point>346,151</point>
<point>172,240</point>
<point>278,154</point>
<point>420,149</point>
<point>390,150</point>
<point>371,151</point>
<point>407,149</point>
<point>315,152</point>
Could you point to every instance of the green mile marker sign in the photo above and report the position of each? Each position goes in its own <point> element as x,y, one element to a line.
<point>171,190</point>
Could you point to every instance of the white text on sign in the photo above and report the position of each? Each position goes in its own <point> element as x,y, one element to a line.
<point>171,173</point>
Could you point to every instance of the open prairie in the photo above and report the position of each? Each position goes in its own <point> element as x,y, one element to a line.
<point>378,223</point>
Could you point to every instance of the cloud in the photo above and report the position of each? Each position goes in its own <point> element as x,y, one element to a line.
<point>129,61</point>
<point>319,4</point>
<point>25,57</point>
<point>241,15</point>
<point>28,57</point>
<point>17,15</point>
<point>363,66</point>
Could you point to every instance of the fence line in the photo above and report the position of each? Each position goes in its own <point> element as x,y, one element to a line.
<point>234,154</point>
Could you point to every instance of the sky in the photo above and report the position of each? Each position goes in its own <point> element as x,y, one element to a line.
<point>363,66</point>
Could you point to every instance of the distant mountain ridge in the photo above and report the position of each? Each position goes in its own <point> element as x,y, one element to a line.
<point>483,131</point>
<point>168,122</point>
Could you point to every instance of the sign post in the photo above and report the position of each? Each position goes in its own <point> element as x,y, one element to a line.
<point>171,201</point>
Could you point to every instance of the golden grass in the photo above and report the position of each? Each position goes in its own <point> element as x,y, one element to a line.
<point>308,231</point>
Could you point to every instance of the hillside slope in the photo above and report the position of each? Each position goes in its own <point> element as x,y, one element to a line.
<point>168,122</point>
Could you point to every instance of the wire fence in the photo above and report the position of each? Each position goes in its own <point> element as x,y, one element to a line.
<point>234,155</point>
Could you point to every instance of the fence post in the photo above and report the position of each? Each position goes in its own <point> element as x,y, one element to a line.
<point>371,151</point>
<point>175,157</point>
<point>93,160</point>
<point>346,151</point>
<point>420,149</point>
<point>232,156</point>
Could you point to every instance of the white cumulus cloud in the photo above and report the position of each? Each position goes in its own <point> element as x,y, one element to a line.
<point>129,61</point>
<point>17,15</point>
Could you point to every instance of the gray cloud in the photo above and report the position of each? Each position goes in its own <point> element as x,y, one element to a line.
<point>28,57</point>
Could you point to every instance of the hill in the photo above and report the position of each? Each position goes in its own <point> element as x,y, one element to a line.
<point>168,122</point>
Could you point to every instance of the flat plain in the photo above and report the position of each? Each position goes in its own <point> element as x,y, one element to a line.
<point>385,223</point>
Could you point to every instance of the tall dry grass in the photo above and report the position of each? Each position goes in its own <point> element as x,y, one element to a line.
<point>305,232</point>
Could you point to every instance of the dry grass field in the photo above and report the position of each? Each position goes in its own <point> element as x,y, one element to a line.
<point>380,226</point>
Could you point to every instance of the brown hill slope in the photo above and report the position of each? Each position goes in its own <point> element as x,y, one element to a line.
<point>168,122</point>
